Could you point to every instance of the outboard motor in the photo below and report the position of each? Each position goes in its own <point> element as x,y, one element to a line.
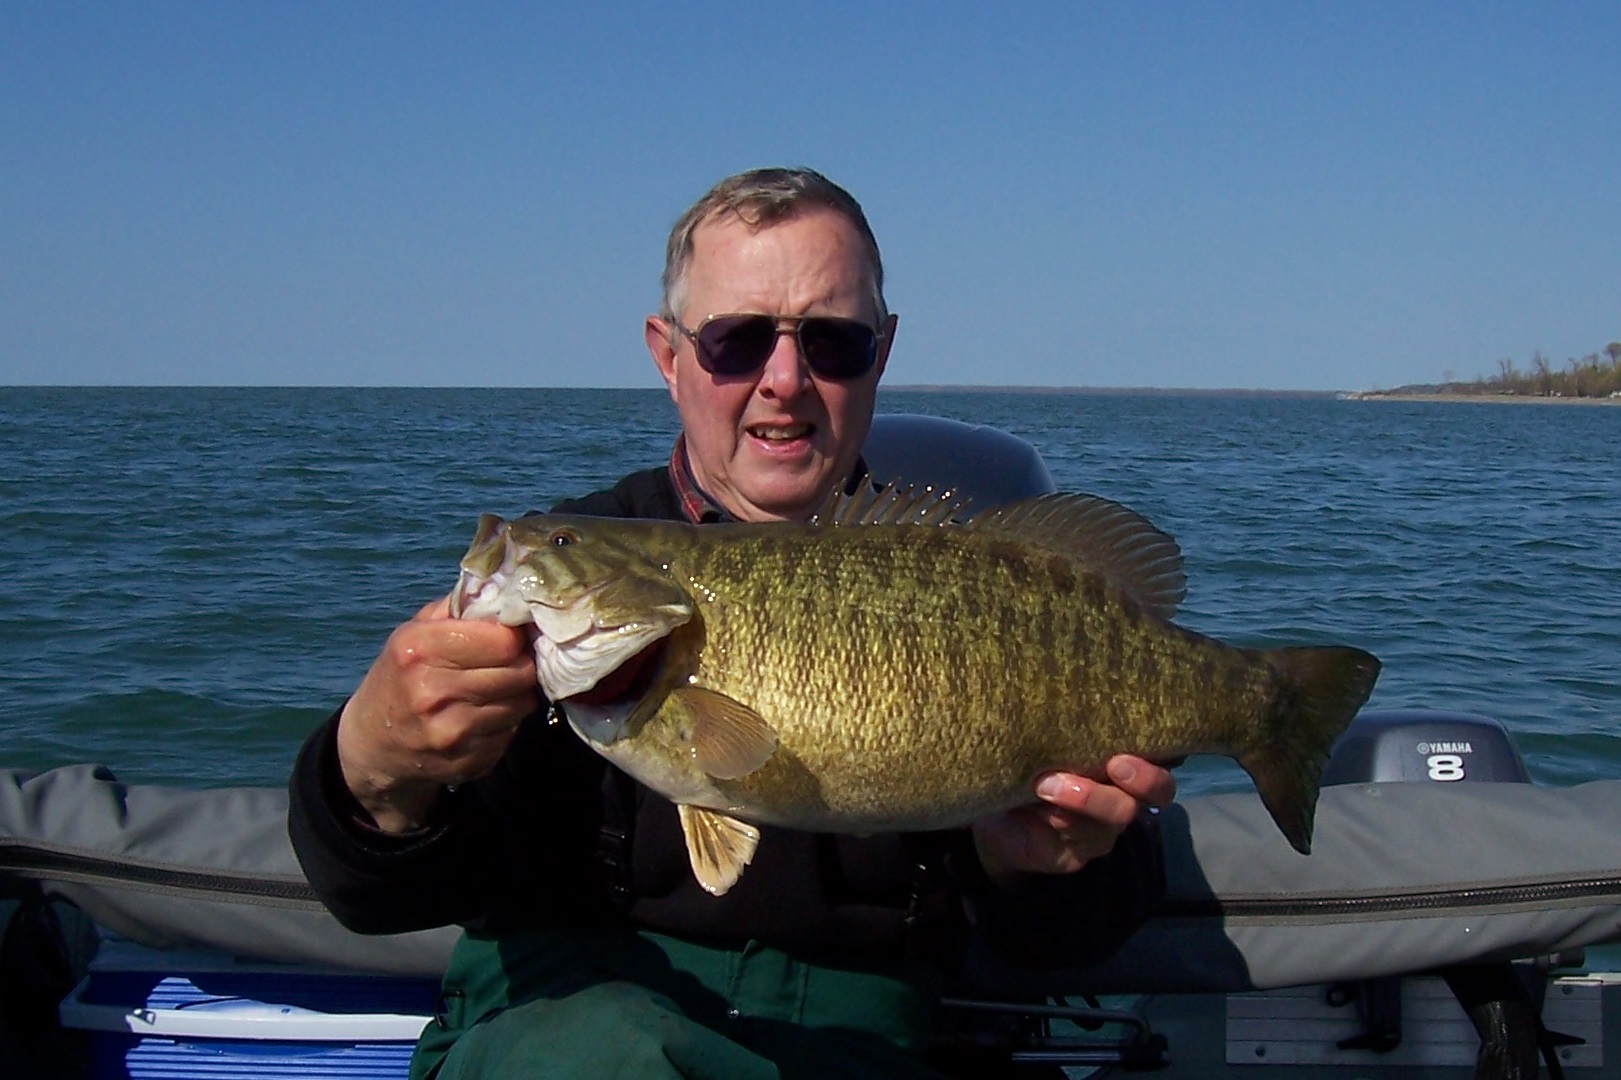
<point>986,464</point>
<point>1421,746</point>
<point>1396,745</point>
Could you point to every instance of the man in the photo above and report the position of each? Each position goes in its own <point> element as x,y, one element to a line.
<point>440,793</point>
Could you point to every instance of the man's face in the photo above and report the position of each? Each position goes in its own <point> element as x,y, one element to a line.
<point>771,444</point>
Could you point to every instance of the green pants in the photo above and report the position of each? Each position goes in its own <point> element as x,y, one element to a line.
<point>600,1003</point>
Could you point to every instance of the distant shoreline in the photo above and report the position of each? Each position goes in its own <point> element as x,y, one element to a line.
<point>1103,391</point>
<point>1482,399</point>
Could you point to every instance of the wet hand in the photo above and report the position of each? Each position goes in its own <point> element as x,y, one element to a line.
<point>439,706</point>
<point>1077,819</point>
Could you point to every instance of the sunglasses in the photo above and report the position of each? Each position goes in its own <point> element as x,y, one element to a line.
<point>732,345</point>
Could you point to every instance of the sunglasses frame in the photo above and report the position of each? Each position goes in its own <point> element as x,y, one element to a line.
<point>782,324</point>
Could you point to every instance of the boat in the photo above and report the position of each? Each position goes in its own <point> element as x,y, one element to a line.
<point>1454,918</point>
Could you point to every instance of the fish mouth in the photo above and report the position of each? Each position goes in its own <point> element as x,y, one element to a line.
<point>491,595</point>
<point>626,684</point>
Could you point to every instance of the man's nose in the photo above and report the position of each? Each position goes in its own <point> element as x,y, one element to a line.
<point>785,372</point>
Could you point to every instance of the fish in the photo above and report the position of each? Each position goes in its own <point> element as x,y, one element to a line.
<point>897,663</point>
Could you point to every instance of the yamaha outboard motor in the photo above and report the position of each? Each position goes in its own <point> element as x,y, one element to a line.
<point>1393,745</point>
<point>1420,746</point>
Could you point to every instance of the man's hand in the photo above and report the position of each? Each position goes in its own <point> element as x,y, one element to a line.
<point>439,706</point>
<point>1077,819</point>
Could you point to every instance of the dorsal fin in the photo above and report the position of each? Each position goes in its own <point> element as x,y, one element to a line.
<point>892,504</point>
<point>1100,535</point>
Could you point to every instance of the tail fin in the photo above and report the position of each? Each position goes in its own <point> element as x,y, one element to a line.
<point>1327,685</point>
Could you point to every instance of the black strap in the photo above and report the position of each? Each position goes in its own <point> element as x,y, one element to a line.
<point>934,926</point>
<point>615,837</point>
<point>1510,1027</point>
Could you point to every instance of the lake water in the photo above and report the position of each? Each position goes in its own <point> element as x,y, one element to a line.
<point>190,579</point>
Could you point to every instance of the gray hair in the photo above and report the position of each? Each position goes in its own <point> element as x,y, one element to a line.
<point>761,198</point>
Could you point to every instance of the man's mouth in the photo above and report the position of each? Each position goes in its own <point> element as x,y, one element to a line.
<point>780,432</point>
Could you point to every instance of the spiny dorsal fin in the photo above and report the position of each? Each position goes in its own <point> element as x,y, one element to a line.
<point>727,738</point>
<point>718,847</point>
<point>1100,535</point>
<point>891,504</point>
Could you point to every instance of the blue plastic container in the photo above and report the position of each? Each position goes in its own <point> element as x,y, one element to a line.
<point>230,1021</point>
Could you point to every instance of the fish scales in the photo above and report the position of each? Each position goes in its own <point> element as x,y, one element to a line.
<point>939,670</point>
<point>878,676</point>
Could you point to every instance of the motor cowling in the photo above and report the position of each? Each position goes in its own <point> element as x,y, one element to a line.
<point>1405,745</point>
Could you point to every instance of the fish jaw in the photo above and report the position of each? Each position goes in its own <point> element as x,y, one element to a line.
<point>486,587</point>
<point>618,733</point>
<point>600,725</point>
<point>569,666</point>
<point>593,610</point>
<point>683,741</point>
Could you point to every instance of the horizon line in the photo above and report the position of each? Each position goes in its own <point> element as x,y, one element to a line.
<point>1012,388</point>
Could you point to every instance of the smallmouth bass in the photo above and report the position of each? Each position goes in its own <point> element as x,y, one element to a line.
<point>887,667</point>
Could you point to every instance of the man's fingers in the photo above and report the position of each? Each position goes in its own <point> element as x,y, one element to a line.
<point>1143,780</point>
<point>511,687</point>
<point>455,643</point>
<point>1058,842</point>
<point>468,643</point>
<point>477,733</point>
<point>1079,798</point>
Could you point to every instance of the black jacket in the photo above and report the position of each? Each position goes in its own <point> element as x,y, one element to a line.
<point>556,835</point>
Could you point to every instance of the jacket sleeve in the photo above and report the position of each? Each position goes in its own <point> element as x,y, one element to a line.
<point>1068,920</point>
<point>515,848</point>
<point>376,882</point>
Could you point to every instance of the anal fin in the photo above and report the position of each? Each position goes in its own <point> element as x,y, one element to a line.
<point>719,846</point>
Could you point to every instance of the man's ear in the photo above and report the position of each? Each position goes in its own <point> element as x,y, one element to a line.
<point>884,345</point>
<point>657,334</point>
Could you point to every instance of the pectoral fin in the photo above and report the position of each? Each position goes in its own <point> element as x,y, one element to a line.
<point>718,846</point>
<point>727,738</point>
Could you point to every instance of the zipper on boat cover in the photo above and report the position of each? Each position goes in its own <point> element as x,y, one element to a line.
<point>47,864</point>
<point>42,863</point>
<point>1470,899</point>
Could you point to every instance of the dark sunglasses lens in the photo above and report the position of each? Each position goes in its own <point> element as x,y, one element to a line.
<point>737,344</point>
<point>838,348</point>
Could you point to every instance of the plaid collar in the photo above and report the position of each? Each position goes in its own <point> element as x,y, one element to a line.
<point>696,505</point>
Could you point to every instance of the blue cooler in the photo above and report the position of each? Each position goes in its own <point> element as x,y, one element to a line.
<point>194,1015</point>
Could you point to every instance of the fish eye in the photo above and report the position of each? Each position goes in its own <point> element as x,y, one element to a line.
<point>561,538</point>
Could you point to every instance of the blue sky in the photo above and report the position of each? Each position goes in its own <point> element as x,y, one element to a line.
<point>1281,195</point>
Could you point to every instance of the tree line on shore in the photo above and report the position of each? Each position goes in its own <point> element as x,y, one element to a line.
<point>1596,375</point>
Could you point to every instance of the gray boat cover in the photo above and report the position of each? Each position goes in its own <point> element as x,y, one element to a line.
<point>176,868</point>
<point>1403,877</point>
